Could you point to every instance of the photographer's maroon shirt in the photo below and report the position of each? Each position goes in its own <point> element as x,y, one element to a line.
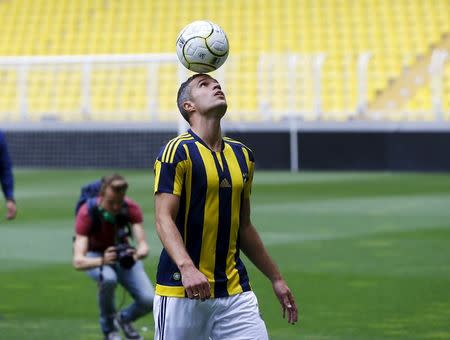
<point>104,235</point>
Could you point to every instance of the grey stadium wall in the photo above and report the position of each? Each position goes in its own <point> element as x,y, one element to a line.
<point>319,148</point>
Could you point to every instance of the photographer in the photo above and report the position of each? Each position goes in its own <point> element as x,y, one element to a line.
<point>103,227</point>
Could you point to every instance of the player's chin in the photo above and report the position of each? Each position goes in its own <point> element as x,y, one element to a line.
<point>222,102</point>
<point>222,108</point>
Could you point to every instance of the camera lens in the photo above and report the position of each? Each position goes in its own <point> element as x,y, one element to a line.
<point>126,260</point>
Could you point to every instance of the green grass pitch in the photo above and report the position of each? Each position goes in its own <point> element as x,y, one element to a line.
<point>367,255</point>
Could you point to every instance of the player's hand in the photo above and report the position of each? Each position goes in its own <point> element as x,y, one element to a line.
<point>196,283</point>
<point>286,299</point>
<point>110,255</point>
<point>11,210</point>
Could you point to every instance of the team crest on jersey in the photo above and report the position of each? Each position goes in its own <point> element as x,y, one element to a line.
<point>176,276</point>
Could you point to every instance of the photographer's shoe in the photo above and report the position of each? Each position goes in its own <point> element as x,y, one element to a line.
<point>112,336</point>
<point>128,329</point>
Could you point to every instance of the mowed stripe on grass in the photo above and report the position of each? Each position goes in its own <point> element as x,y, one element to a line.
<point>366,255</point>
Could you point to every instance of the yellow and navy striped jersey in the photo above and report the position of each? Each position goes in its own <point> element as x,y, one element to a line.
<point>211,186</point>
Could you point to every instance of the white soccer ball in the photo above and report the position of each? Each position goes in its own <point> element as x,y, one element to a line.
<point>202,46</point>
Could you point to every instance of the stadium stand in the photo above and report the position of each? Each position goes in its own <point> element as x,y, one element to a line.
<point>396,33</point>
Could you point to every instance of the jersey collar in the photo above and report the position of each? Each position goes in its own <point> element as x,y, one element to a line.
<point>198,139</point>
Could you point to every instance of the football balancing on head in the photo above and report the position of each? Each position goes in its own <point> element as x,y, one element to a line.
<point>202,46</point>
<point>113,209</point>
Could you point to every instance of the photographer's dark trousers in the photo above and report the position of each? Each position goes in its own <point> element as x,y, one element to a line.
<point>134,280</point>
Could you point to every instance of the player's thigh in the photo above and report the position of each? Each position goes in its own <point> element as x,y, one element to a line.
<point>180,318</point>
<point>239,320</point>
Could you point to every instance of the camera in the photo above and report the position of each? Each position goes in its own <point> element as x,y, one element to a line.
<point>126,259</point>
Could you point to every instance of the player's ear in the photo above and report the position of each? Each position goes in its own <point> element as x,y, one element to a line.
<point>188,106</point>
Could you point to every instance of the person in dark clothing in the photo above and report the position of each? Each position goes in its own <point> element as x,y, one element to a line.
<point>7,178</point>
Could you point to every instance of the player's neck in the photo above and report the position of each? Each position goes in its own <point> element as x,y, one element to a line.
<point>210,132</point>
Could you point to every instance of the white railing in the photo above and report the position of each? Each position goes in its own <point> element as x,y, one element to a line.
<point>436,69</point>
<point>142,88</point>
<point>20,75</point>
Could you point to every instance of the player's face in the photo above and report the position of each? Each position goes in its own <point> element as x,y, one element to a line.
<point>207,95</point>
<point>112,201</point>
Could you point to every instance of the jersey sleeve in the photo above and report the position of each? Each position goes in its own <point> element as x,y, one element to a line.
<point>170,169</point>
<point>250,160</point>
<point>83,221</point>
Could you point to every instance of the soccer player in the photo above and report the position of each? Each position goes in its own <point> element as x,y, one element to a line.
<point>7,178</point>
<point>202,201</point>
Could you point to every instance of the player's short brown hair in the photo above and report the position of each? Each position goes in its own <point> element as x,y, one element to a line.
<point>184,94</point>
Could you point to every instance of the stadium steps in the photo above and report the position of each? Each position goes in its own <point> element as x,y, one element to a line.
<point>394,31</point>
<point>402,88</point>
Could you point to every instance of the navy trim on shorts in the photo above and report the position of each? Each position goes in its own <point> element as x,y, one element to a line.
<point>162,317</point>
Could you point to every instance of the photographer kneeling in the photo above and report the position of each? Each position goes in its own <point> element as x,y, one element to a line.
<point>103,227</point>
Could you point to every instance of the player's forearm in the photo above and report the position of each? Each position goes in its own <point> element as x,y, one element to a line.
<point>253,247</point>
<point>172,242</point>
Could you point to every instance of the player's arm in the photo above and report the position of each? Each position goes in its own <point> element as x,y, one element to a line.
<point>166,208</point>
<point>7,179</point>
<point>142,248</point>
<point>253,247</point>
<point>82,262</point>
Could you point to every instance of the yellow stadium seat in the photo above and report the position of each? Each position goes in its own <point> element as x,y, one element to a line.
<point>395,31</point>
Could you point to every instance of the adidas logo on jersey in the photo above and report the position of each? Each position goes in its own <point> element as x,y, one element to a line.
<point>225,184</point>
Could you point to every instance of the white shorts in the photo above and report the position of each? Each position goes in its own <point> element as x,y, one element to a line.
<point>234,317</point>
